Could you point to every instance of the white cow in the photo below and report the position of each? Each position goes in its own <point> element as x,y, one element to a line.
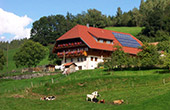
<point>95,94</point>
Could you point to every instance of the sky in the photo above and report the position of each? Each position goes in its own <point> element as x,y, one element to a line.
<point>17,16</point>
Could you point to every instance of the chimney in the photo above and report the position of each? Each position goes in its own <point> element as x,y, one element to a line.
<point>87,25</point>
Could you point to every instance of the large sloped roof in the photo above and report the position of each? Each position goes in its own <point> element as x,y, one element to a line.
<point>86,34</point>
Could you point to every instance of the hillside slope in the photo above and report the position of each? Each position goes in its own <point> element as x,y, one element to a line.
<point>11,63</point>
<point>132,30</point>
<point>141,90</point>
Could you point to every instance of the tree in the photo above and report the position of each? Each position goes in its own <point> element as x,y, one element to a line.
<point>118,58</point>
<point>2,59</point>
<point>53,58</point>
<point>126,19</point>
<point>119,17</point>
<point>30,54</point>
<point>47,29</point>
<point>149,56</point>
<point>95,18</point>
<point>136,17</point>
<point>164,46</point>
<point>155,16</point>
<point>167,60</point>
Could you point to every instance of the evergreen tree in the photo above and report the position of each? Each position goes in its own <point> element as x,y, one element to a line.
<point>119,17</point>
<point>2,59</point>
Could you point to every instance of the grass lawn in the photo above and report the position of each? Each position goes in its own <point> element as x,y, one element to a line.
<point>132,30</point>
<point>141,90</point>
<point>11,63</point>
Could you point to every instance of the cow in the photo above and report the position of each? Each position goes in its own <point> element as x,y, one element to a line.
<point>95,94</point>
<point>118,102</point>
<point>48,98</point>
<point>101,101</point>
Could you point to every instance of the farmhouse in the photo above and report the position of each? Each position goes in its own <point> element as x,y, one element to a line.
<point>87,46</point>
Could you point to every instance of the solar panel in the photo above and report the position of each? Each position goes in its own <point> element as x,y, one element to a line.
<point>126,40</point>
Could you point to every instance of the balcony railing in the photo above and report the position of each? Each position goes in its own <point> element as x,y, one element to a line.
<point>72,53</point>
<point>67,45</point>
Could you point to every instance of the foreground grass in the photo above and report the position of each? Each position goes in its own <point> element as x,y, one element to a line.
<point>132,30</point>
<point>141,90</point>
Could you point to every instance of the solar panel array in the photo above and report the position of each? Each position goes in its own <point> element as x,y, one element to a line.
<point>126,40</point>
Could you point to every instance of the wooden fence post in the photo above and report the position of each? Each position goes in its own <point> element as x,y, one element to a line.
<point>163,81</point>
<point>31,84</point>
<point>52,80</point>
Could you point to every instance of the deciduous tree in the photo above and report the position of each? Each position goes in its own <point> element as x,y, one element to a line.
<point>166,60</point>
<point>118,59</point>
<point>149,56</point>
<point>53,58</point>
<point>30,54</point>
<point>47,29</point>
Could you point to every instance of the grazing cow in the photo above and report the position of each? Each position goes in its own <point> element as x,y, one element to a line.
<point>118,102</point>
<point>95,94</point>
<point>95,100</point>
<point>48,98</point>
<point>101,101</point>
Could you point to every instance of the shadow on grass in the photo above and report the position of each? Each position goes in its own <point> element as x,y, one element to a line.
<point>132,69</point>
<point>163,72</point>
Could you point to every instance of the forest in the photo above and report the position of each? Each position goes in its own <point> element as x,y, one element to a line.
<point>153,15</point>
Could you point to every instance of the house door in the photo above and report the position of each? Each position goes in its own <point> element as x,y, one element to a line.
<point>80,67</point>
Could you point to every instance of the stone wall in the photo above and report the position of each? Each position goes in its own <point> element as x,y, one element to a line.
<point>28,76</point>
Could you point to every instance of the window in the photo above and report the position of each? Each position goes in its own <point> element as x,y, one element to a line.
<point>91,58</point>
<point>86,49</point>
<point>81,58</point>
<point>81,48</point>
<point>108,42</point>
<point>84,58</point>
<point>101,41</point>
<point>71,59</point>
<point>78,59</point>
<point>96,59</point>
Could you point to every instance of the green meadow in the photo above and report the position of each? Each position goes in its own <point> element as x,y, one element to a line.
<point>11,64</point>
<point>141,90</point>
<point>132,30</point>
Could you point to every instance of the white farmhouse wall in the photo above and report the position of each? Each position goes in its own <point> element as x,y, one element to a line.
<point>85,64</point>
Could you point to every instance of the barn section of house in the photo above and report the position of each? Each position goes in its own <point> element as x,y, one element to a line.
<point>87,46</point>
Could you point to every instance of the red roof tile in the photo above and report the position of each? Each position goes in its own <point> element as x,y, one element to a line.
<point>68,64</point>
<point>85,33</point>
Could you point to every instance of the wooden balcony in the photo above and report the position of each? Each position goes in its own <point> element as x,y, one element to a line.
<point>72,54</point>
<point>70,45</point>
